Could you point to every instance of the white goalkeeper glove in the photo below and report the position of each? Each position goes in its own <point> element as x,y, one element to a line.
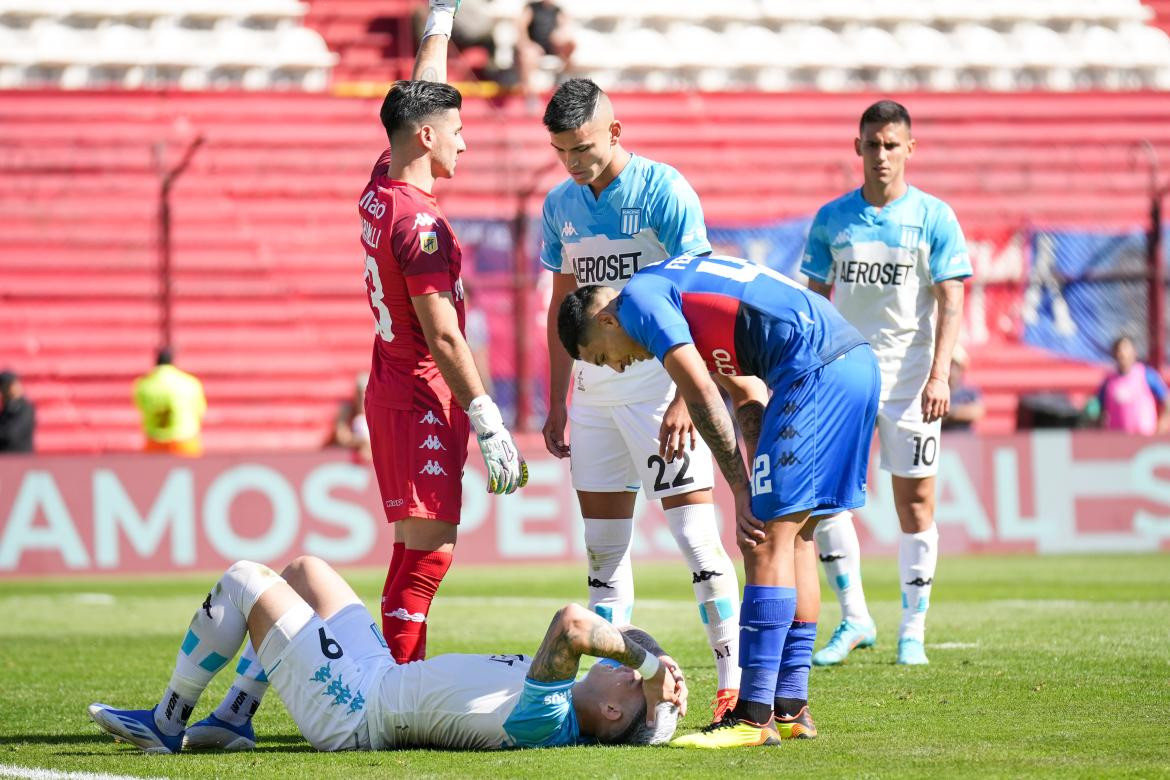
<point>507,471</point>
<point>441,19</point>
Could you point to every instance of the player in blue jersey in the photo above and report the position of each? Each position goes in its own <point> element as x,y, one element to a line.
<point>319,647</point>
<point>896,259</point>
<point>619,212</point>
<point>721,321</point>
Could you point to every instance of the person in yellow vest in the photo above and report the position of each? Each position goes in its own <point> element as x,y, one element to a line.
<point>172,405</point>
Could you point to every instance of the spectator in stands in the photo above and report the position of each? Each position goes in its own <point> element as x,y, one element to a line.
<point>1132,399</point>
<point>18,416</point>
<point>966,400</point>
<point>350,429</point>
<point>172,405</point>
<point>544,29</point>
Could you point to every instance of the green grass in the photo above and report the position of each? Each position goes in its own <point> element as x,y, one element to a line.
<point>1039,667</point>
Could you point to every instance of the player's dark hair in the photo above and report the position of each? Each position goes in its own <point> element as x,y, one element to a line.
<point>409,104</point>
<point>572,105</point>
<point>573,320</point>
<point>885,112</point>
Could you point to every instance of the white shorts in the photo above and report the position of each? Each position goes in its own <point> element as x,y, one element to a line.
<point>909,446</point>
<point>615,449</point>
<point>326,672</point>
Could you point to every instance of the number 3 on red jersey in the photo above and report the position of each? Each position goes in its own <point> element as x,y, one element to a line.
<point>374,288</point>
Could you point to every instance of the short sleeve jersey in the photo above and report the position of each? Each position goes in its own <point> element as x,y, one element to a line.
<point>882,264</point>
<point>744,319</point>
<point>472,702</point>
<point>645,215</point>
<point>410,250</point>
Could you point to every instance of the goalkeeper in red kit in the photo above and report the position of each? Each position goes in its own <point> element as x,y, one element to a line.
<point>424,393</point>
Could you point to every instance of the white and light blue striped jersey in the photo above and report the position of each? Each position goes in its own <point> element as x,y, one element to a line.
<point>645,215</point>
<point>882,264</point>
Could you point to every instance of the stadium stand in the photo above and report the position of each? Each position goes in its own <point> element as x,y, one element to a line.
<point>268,295</point>
<point>840,45</point>
<point>269,306</point>
<point>194,44</point>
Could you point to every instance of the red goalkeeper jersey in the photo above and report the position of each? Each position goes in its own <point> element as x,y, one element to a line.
<point>410,250</point>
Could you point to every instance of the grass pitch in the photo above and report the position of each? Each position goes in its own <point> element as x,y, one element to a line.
<point>1039,667</point>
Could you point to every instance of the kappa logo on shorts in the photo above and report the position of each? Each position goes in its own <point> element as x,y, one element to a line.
<point>787,459</point>
<point>432,468</point>
<point>430,419</point>
<point>432,443</point>
<point>788,432</point>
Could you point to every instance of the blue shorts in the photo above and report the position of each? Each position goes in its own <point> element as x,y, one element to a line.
<point>814,440</point>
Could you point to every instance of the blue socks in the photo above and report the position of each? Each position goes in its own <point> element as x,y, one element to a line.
<point>796,662</point>
<point>764,621</point>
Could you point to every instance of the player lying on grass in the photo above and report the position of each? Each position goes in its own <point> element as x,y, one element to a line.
<point>721,319</point>
<point>327,659</point>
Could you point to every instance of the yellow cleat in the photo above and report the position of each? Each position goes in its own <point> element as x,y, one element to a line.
<point>730,733</point>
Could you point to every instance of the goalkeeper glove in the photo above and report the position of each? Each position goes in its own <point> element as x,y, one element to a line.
<point>507,470</point>
<point>441,19</point>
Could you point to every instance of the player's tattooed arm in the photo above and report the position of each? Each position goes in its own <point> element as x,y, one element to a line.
<point>574,632</point>
<point>749,397</point>
<point>708,412</point>
<point>644,639</point>
<point>750,417</point>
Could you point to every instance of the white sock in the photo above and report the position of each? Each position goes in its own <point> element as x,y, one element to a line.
<point>214,636</point>
<point>611,577</point>
<point>243,698</point>
<point>917,558</point>
<point>715,584</point>
<point>840,552</point>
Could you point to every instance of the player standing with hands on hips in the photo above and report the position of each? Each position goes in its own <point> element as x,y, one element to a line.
<point>897,260</point>
<point>616,213</point>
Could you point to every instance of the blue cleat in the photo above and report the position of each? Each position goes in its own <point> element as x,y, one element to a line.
<point>211,733</point>
<point>911,652</point>
<point>136,727</point>
<point>847,636</point>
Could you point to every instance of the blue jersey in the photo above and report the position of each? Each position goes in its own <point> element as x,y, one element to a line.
<point>882,264</point>
<point>744,319</point>
<point>645,215</point>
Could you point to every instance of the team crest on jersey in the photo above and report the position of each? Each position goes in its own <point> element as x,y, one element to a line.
<point>911,236</point>
<point>631,221</point>
<point>428,241</point>
<point>422,219</point>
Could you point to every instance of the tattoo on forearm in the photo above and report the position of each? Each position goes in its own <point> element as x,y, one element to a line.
<point>559,655</point>
<point>428,74</point>
<point>751,418</point>
<point>644,639</point>
<point>717,430</point>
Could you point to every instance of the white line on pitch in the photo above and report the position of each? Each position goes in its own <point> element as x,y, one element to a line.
<point>36,773</point>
